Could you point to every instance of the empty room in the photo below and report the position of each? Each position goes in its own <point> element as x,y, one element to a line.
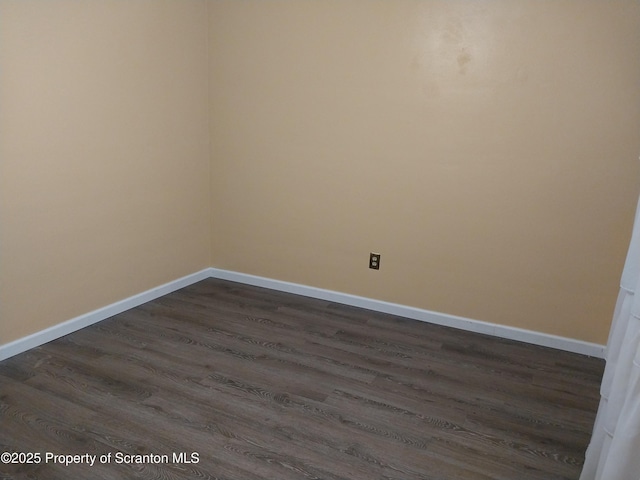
<point>330,239</point>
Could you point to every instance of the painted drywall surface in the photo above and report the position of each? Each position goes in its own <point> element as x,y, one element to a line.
<point>488,151</point>
<point>104,170</point>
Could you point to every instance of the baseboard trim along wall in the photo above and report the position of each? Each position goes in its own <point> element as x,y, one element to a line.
<point>65,328</point>
<point>462,323</point>
<point>502,331</point>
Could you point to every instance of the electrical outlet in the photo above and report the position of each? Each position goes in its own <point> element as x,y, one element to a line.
<point>374,261</point>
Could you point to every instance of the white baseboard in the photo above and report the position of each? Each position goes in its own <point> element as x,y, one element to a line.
<point>31,341</point>
<point>502,331</point>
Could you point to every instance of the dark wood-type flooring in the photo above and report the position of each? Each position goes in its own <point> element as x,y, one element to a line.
<point>268,385</point>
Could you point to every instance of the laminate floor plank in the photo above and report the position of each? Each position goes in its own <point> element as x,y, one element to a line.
<point>261,384</point>
<point>140,428</point>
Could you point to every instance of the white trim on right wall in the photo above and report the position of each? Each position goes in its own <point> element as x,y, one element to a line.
<point>444,319</point>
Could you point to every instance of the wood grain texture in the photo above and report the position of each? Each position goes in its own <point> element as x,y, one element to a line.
<point>269,385</point>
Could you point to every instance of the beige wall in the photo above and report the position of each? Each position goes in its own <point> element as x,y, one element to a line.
<point>488,150</point>
<point>104,162</point>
